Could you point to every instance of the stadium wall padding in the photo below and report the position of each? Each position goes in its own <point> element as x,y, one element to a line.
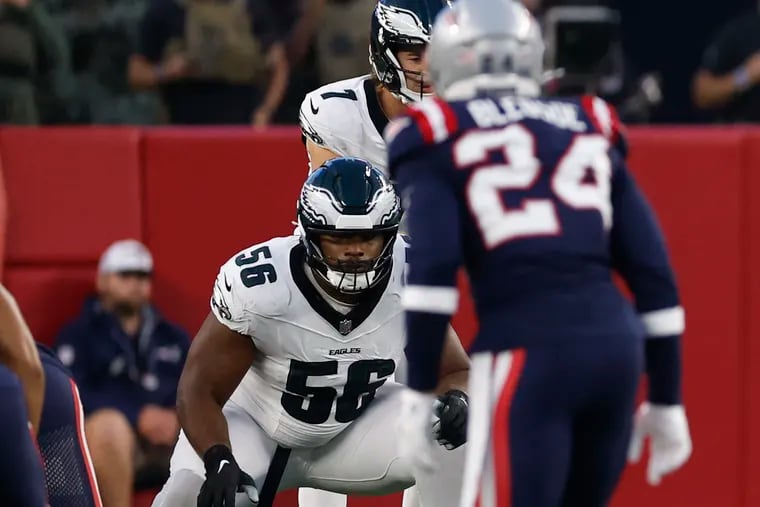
<point>197,196</point>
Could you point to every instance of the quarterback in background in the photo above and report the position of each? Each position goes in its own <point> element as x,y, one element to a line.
<point>534,197</point>
<point>347,118</point>
<point>290,380</point>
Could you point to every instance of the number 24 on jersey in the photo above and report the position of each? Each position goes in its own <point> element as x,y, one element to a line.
<point>536,217</point>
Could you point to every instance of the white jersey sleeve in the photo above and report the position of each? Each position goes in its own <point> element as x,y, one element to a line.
<point>327,121</point>
<point>229,301</point>
<point>247,289</point>
<point>332,117</point>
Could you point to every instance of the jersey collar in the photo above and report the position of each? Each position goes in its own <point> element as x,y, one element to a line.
<point>344,324</point>
<point>376,114</point>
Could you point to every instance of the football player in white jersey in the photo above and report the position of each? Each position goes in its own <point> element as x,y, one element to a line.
<point>290,380</point>
<point>347,118</point>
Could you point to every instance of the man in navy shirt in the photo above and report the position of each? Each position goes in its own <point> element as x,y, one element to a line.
<point>533,197</point>
<point>126,360</point>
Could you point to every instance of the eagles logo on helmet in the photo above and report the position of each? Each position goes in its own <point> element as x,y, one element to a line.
<point>398,25</point>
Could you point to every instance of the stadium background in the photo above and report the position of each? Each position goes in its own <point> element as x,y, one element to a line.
<point>197,195</point>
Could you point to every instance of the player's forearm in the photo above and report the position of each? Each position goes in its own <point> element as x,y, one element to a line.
<point>455,365</point>
<point>26,365</point>
<point>19,353</point>
<point>664,327</point>
<point>424,349</point>
<point>663,367</point>
<point>32,378</point>
<point>200,415</point>
<point>453,380</point>
<point>430,347</point>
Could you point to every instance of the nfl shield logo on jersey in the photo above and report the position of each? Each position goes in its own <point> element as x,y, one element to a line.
<point>345,326</point>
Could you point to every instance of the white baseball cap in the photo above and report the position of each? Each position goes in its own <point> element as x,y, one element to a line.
<point>126,255</point>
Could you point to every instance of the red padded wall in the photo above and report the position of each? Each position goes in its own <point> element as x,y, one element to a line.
<point>49,296</point>
<point>699,212</point>
<point>751,358</point>
<point>209,195</point>
<point>70,191</point>
<point>3,216</point>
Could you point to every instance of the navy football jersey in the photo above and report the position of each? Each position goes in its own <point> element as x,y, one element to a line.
<point>534,198</point>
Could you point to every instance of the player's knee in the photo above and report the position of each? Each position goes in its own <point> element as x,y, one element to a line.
<point>180,490</point>
<point>109,430</point>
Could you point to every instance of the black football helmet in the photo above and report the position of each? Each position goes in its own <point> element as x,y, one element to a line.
<point>347,196</point>
<point>396,25</point>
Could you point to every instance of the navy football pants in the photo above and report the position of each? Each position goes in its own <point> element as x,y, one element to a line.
<point>550,425</point>
<point>69,473</point>
<point>21,476</point>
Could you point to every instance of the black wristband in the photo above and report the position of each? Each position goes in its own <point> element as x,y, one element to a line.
<point>215,454</point>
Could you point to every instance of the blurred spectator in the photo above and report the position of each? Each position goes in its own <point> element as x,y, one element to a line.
<point>343,39</point>
<point>214,61</point>
<point>127,361</point>
<point>102,35</point>
<point>298,20</point>
<point>34,60</point>
<point>729,77</point>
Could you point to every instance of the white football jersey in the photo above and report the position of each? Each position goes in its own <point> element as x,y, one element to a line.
<point>316,369</point>
<point>345,117</point>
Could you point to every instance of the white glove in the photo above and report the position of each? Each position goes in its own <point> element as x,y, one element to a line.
<point>415,436</point>
<point>670,442</point>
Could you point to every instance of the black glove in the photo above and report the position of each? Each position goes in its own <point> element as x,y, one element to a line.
<point>451,428</point>
<point>223,479</point>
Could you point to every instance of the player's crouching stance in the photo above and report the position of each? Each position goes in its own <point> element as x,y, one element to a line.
<point>290,380</point>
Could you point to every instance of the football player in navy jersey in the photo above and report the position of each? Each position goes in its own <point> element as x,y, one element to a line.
<point>291,380</point>
<point>40,400</point>
<point>22,388</point>
<point>533,196</point>
<point>69,471</point>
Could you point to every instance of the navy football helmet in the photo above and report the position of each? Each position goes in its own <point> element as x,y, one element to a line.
<point>398,25</point>
<point>347,196</point>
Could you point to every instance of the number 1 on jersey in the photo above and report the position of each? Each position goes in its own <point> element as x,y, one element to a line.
<point>535,217</point>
